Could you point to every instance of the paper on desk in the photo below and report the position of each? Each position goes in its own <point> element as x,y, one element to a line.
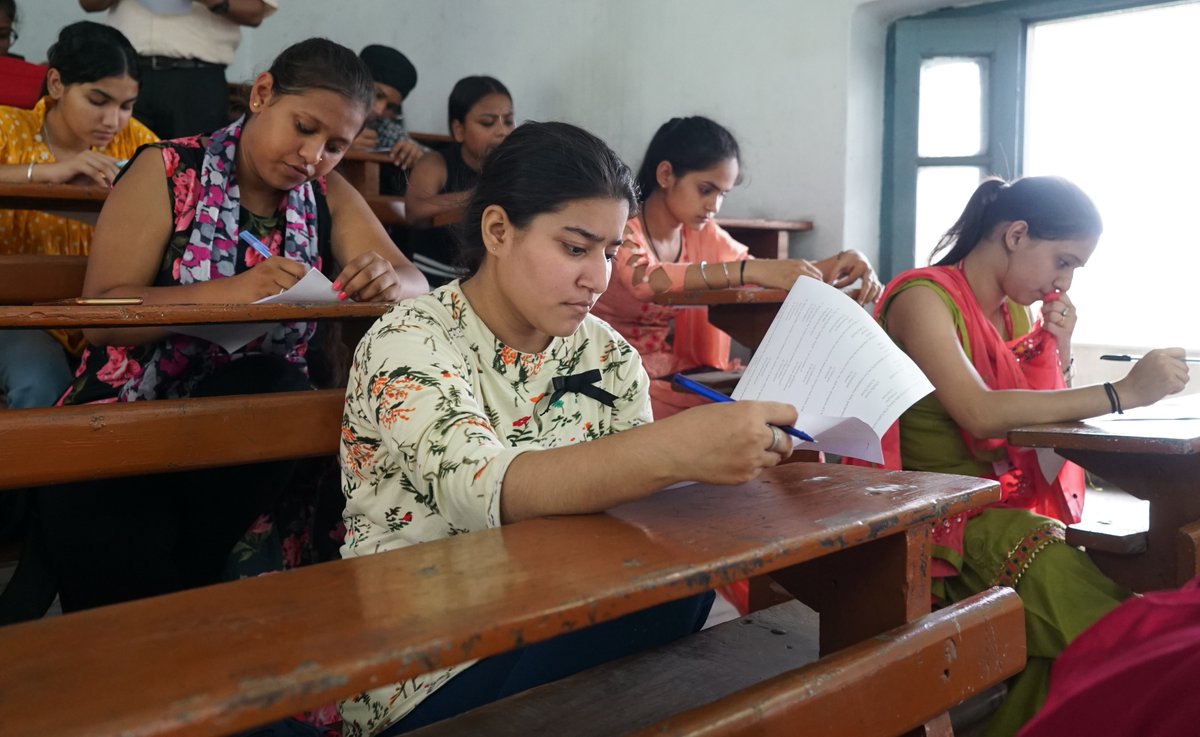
<point>827,357</point>
<point>315,287</point>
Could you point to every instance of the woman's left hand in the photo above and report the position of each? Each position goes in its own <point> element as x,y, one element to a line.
<point>848,267</point>
<point>369,278</point>
<point>1059,317</point>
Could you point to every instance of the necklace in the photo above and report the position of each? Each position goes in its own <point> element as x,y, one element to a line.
<point>650,239</point>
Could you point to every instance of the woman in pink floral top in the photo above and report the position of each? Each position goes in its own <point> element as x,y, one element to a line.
<point>499,398</point>
<point>674,245</point>
<point>270,174</point>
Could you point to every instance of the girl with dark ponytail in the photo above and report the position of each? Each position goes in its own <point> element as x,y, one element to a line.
<point>674,244</point>
<point>966,322</point>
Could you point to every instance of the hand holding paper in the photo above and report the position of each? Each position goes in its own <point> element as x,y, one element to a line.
<point>828,358</point>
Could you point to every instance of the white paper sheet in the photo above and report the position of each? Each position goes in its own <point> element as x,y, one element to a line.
<point>314,287</point>
<point>827,357</point>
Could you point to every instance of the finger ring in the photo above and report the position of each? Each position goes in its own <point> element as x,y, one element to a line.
<point>1064,312</point>
<point>775,438</point>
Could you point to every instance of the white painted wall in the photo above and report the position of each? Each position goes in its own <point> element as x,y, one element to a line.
<point>799,82</point>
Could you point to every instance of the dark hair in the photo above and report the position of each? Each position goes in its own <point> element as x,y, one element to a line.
<point>541,168</point>
<point>87,51</point>
<point>468,91</point>
<point>9,8</point>
<point>321,64</point>
<point>689,144</point>
<point>1054,208</point>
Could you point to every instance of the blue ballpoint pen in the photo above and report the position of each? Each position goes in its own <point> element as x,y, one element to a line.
<point>704,391</point>
<point>255,243</point>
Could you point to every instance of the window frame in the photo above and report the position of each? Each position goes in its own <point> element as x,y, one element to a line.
<point>997,31</point>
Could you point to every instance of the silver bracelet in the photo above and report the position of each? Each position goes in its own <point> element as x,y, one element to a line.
<point>725,270</point>
<point>29,172</point>
<point>703,275</point>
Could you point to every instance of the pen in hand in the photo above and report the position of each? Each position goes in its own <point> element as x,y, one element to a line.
<point>697,388</point>
<point>1126,358</point>
<point>255,243</point>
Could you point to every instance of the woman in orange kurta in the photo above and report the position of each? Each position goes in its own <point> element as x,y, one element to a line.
<point>674,244</point>
<point>79,132</point>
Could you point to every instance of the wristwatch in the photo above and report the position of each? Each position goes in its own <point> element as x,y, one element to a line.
<point>220,8</point>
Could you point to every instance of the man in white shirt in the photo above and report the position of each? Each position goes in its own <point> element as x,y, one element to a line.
<point>183,48</point>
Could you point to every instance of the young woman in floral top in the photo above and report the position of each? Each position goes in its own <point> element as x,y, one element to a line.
<point>459,415</point>
<point>270,174</point>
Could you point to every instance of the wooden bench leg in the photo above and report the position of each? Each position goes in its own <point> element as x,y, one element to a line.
<point>1189,551</point>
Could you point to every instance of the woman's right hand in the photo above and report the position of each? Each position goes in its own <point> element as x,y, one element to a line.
<point>265,279</point>
<point>744,445</point>
<point>780,273</point>
<point>1160,372</point>
<point>85,167</point>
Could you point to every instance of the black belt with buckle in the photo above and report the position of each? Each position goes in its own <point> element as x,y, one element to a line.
<point>173,62</point>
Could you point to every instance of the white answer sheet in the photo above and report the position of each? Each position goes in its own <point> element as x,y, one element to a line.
<point>827,357</point>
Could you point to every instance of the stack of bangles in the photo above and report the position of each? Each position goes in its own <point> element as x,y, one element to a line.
<point>725,271</point>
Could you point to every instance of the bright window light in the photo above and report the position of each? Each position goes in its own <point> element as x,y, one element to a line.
<point>1113,104</point>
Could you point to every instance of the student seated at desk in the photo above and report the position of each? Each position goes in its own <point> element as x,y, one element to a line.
<point>499,398</point>
<point>77,133</point>
<point>674,244</point>
<point>480,116</point>
<point>130,538</point>
<point>965,321</point>
<point>394,77</point>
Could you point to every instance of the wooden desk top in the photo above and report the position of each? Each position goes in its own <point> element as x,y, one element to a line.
<point>98,316</point>
<point>64,197</point>
<point>257,649</point>
<point>1141,430</point>
<point>358,154</point>
<point>794,226</point>
<point>738,296</point>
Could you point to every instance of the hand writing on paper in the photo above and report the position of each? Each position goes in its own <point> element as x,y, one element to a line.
<point>86,167</point>
<point>266,278</point>
<point>368,278</point>
<point>1159,373</point>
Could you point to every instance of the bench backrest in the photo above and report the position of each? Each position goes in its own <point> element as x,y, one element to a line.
<point>64,444</point>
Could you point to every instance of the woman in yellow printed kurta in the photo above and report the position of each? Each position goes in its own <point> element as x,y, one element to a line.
<point>500,398</point>
<point>79,132</point>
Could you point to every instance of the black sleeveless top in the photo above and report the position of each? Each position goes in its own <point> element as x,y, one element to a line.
<point>459,176</point>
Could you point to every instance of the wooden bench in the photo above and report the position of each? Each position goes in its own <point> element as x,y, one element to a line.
<point>28,279</point>
<point>65,444</point>
<point>765,238</point>
<point>853,542</point>
<point>753,675</point>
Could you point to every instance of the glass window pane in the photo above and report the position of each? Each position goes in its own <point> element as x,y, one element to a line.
<point>942,193</point>
<point>1123,127</point>
<point>950,117</point>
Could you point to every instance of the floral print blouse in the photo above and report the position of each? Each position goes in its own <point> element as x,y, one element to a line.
<point>436,409</point>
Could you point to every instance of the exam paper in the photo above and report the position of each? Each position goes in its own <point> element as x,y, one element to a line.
<point>828,358</point>
<point>314,287</point>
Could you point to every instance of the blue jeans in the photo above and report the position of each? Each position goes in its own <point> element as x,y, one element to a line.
<point>509,673</point>
<point>34,370</point>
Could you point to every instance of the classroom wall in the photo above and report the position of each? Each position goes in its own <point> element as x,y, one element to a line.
<point>799,83</point>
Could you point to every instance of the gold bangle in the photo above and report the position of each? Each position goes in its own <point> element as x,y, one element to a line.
<point>703,275</point>
<point>29,172</point>
<point>725,271</point>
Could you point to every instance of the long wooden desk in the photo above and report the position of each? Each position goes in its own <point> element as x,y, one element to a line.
<point>95,316</point>
<point>1153,459</point>
<point>52,197</point>
<point>745,313</point>
<point>27,279</point>
<point>852,542</point>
